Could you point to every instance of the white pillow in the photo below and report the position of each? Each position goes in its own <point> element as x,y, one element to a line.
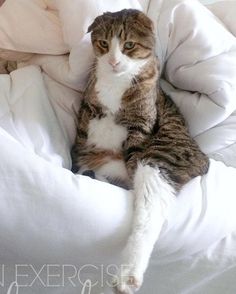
<point>27,26</point>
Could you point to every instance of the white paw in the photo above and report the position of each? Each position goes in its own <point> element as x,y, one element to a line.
<point>127,283</point>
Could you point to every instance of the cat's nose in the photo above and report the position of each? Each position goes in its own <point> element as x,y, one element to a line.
<point>113,62</point>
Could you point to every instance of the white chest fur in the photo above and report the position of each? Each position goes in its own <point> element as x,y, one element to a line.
<point>110,87</point>
<point>110,91</point>
<point>106,134</point>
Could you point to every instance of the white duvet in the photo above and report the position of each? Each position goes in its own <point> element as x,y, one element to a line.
<point>57,229</point>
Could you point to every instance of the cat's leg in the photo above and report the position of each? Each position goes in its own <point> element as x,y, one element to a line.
<point>153,196</point>
<point>93,175</point>
<point>115,173</point>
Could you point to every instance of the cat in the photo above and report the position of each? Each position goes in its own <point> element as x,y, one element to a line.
<point>132,135</point>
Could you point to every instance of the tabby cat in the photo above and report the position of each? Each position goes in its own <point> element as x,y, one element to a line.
<point>130,134</point>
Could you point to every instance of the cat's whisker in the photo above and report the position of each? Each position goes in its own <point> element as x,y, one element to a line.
<point>90,69</point>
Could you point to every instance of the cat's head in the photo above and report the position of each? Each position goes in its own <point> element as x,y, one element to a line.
<point>123,41</point>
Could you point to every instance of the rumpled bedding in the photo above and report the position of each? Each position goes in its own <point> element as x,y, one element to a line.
<point>51,217</point>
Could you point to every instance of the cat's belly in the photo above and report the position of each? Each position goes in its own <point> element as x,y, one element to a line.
<point>104,133</point>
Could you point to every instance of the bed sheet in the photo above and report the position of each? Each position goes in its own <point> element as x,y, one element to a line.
<point>51,217</point>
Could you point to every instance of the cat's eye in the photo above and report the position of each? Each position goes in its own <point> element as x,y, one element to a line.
<point>103,43</point>
<point>129,45</point>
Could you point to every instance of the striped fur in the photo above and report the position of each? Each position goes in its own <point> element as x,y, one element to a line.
<point>157,133</point>
<point>157,155</point>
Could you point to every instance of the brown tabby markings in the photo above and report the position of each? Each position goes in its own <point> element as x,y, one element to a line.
<point>127,24</point>
<point>157,134</point>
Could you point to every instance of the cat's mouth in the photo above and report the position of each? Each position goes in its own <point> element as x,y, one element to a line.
<point>118,71</point>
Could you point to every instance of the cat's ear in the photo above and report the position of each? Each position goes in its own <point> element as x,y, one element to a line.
<point>95,23</point>
<point>91,27</point>
<point>145,21</point>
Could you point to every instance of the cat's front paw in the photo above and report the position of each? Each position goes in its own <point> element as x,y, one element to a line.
<point>127,283</point>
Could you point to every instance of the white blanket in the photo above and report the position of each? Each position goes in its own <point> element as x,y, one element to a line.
<point>54,220</point>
